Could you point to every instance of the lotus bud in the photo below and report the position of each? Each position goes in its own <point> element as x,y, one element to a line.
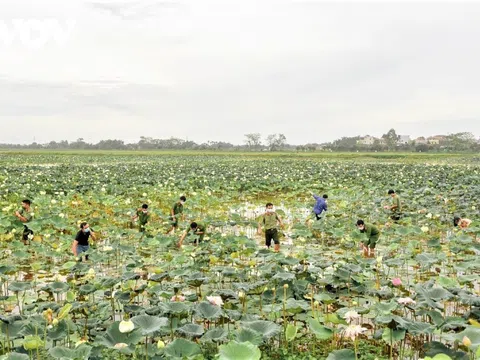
<point>285,286</point>
<point>241,294</point>
<point>126,326</point>
<point>466,341</point>
<point>80,342</point>
<point>160,344</point>
<point>120,346</point>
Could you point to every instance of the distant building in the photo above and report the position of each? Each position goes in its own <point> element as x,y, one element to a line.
<point>403,139</point>
<point>367,140</point>
<point>436,140</point>
<point>421,141</point>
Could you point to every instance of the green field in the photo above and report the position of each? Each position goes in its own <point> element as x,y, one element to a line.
<point>230,298</point>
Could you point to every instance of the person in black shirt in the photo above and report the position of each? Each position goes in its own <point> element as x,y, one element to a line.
<point>80,244</point>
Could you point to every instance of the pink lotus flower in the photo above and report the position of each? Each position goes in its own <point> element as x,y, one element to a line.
<point>396,282</point>
<point>215,300</point>
<point>178,298</point>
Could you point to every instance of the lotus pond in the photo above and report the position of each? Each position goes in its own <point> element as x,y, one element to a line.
<point>139,297</point>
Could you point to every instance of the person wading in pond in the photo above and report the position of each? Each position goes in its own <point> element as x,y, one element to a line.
<point>395,207</point>
<point>143,217</point>
<point>461,223</point>
<point>81,243</point>
<point>176,212</point>
<point>198,229</point>
<point>372,233</point>
<point>270,222</point>
<point>25,215</point>
<point>320,206</point>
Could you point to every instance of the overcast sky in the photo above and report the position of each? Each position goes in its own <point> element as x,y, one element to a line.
<point>215,70</point>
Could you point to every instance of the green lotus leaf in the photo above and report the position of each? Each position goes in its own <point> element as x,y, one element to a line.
<point>149,324</point>
<point>181,348</point>
<point>239,351</point>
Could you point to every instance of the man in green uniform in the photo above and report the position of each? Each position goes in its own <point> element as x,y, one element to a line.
<point>395,207</point>
<point>373,234</point>
<point>270,221</point>
<point>198,229</point>
<point>175,212</point>
<point>25,216</point>
<point>143,217</point>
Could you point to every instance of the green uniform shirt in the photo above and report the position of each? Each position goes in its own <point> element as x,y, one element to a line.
<point>26,214</point>
<point>371,231</point>
<point>269,220</point>
<point>177,208</point>
<point>143,217</point>
<point>396,202</point>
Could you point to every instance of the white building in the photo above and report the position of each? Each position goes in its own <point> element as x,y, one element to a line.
<point>403,139</point>
<point>367,140</point>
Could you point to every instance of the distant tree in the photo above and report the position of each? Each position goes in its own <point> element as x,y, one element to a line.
<point>391,139</point>
<point>346,144</point>
<point>253,141</point>
<point>276,141</point>
<point>463,141</point>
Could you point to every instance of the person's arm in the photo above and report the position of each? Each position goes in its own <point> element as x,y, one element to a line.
<point>259,230</point>
<point>74,247</point>
<point>135,217</point>
<point>279,220</point>
<point>316,197</point>
<point>395,205</point>
<point>93,235</point>
<point>20,216</point>
<point>200,232</point>
<point>325,206</point>
<point>172,212</point>
<point>465,223</point>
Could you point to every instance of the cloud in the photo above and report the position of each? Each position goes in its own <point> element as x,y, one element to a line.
<point>216,70</point>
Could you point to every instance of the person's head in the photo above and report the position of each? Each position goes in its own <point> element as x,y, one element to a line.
<point>391,192</point>
<point>269,207</point>
<point>325,196</point>
<point>361,225</point>
<point>26,203</point>
<point>144,208</point>
<point>193,225</point>
<point>85,227</point>
<point>456,220</point>
<point>183,199</point>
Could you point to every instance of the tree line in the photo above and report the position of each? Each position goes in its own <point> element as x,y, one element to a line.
<point>459,142</point>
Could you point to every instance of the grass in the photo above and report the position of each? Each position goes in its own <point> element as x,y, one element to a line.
<point>253,154</point>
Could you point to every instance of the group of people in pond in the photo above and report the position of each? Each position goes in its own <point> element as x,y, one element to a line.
<point>269,222</point>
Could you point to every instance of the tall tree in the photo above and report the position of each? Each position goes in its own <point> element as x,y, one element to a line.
<point>391,139</point>
<point>253,140</point>
<point>276,141</point>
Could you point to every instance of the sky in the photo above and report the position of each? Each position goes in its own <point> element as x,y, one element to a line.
<point>218,69</point>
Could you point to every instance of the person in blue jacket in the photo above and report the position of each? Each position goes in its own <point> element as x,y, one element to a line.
<point>320,206</point>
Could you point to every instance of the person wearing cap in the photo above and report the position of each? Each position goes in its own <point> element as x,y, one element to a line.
<point>395,206</point>
<point>198,229</point>
<point>372,234</point>
<point>270,221</point>
<point>461,223</point>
